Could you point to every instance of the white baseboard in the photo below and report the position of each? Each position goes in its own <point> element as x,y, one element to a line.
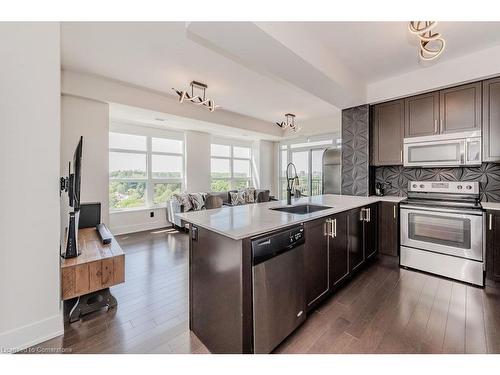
<point>31,334</point>
<point>133,228</point>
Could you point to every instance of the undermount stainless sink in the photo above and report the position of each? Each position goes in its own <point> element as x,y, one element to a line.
<point>301,209</point>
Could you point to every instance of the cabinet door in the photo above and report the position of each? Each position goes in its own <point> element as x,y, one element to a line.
<point>339,250</point>
<point>316,260</point>
<point>460,108</point>
<point>422,115</point>
<point>388,228</point>
<point>388,132</point>
<point>370,243</point>
<point>493,246</point>
<point>356,255</point>
<point>491,120</point>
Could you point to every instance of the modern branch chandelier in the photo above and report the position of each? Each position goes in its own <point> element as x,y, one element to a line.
<point>289,123</point>
<point>431,43</point>
<point>197,99</point>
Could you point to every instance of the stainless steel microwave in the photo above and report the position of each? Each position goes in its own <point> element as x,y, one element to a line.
<point>444,150</point>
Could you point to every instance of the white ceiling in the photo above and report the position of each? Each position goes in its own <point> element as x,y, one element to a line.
<point>159,56</point>
<point>134,115</point>
<point>379,50</point>
<point>342,56</point>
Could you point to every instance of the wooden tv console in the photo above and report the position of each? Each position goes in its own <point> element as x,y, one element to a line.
<point>89,276</point>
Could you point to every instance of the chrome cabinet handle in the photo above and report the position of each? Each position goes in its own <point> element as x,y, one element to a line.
<point>334,230</point>
<point>401,156</point>
<point>441,125</point>
<point>369,216</point>
<point>361,214</point>
<point>328,227</point>
<point>435,126</point>
<point>490,224</point>
<point>325,228</point>
<point>394,211</point>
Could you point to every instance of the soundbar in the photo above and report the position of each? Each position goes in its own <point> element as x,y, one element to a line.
<point>104,233</point>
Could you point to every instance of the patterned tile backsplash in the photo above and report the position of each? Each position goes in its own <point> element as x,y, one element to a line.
<point>355,147</point>
<point>396,178</point>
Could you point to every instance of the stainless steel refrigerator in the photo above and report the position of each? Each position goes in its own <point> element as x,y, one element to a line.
<point>332,169</point>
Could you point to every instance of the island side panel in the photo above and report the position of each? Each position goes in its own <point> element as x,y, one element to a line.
<point>216,291</point>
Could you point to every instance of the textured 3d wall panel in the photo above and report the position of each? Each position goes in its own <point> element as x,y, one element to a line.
<point>396,178</point>
<point>355,150</point>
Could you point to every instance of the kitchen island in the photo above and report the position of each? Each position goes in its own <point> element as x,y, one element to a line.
<point>220,259</point>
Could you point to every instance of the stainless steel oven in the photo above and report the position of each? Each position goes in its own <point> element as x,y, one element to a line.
<point>442,230</point>
<point>445,150</point>
<point>454,232</point>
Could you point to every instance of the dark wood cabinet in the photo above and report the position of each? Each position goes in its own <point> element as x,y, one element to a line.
<point>422,115</point>
<point>339,250</point>
<point>388,131</point>
<point>388,228</point>
<point>370,235</point>
<point>460,108</point>
<point>491,120</point>
<point>493,246</point>
<point>316,259</point>
<point>356,255</point>
<point>335,247</point>
<point>363,235</point>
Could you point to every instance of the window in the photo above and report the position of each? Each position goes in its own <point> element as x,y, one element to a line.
<point>230,166</point>
<point>307,155</point>
<point>144,170</point>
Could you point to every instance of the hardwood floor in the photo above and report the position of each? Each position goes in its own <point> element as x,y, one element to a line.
<point>384,309</point>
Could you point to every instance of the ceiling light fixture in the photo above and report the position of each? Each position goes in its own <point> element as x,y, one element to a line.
<point>289,124</point>
<point>197,99</point>
<point>431,44</point>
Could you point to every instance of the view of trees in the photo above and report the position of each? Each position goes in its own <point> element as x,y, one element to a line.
<point>124,194</point>
<point>163,192</point>
<point>130,194</point>
<point>220,181</point>
<point>220,185</point>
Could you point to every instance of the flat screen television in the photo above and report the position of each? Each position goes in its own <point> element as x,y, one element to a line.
<point>72,184</point>
<point>75,178</point>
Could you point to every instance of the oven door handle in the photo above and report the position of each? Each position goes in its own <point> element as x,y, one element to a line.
<point>452,211</point>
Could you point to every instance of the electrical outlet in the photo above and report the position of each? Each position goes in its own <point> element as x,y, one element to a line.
<point>152,214</point>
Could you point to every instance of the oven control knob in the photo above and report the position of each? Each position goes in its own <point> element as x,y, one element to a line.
<point>468,187</point>
<point>459,187</point>
<point>422,186</point>
<point>414,185</point>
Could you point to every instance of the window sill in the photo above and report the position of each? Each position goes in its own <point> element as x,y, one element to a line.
<point>137,209</point>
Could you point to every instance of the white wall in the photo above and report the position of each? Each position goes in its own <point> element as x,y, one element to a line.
<point>197,161</point>
<point>138,220</point>
<point>111,91</point>
<point>29,183</point>
<point>263,165</point>
<point>90,119</point>
<point>475,66</point>
<point>319,125</point>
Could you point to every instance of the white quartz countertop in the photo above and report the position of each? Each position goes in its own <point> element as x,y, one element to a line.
<point>490,205</point>
<point>238,222</point>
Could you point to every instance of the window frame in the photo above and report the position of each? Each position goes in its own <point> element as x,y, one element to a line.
<point>232,180</point>
<point>321,142</point>
<point>149,180</point>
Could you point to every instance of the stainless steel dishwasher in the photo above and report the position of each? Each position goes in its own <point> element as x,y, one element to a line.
<point>279,302</point>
